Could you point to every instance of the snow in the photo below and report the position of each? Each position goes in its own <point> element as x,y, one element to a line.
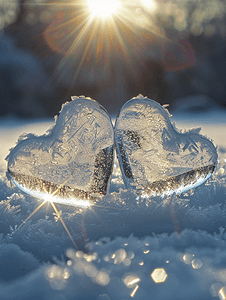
<point>124,238</point>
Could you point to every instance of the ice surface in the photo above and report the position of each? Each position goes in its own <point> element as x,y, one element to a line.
<point>72,161</point>
<point>154,157</point>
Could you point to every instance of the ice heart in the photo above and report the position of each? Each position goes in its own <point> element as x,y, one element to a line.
<point>72,161</point>
<point>154,157</point>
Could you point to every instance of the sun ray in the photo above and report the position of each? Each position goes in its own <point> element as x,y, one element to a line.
<point>92,34</point>
<point>97,43</point>
<point>54,208</point>
<point>37,209</point>
<point>86,49</point>
<point>95,214</point>
<point>120,39</point>
<point>125,17</point>
<point>64,225</point>
<point>82,33</point>
<point>135,26</point>
<point>90,26</point>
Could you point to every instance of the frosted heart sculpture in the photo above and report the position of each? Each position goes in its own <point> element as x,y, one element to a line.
<point>154,157</point>
<point>72,161</point>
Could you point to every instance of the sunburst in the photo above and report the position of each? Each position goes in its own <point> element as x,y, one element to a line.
<point>99,39</point>
<point>97,35</point>
<point>50,198</point>
<point>64,225</point>
<point>28,218</point>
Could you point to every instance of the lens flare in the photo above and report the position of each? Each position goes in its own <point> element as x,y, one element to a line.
<point>103,8</point>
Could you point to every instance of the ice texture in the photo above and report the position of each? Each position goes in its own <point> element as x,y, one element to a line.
<point>154,157</point>
<point>71,161</point>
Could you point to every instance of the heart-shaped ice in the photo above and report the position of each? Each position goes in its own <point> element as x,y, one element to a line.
<point>154,157</point>
<point>72,161</point>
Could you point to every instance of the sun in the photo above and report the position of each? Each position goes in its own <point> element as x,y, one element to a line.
<point>103,8</point>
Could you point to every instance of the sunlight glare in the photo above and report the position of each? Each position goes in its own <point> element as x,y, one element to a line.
<point>28,218</point>
<point>64,225</point>
<point>150,5</point>
<point>56,199</point>
<point>103,8</point>
<point>66,201</point>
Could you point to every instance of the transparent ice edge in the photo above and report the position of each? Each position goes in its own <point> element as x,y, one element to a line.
<point>55,199</point>
<point>87,203</point>
<point>181,189</point>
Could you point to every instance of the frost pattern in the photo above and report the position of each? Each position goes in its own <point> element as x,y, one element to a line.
<point>156,157</point>
<point>74,157</point>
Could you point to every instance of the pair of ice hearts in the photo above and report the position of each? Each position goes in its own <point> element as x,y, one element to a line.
<point>73,160</point>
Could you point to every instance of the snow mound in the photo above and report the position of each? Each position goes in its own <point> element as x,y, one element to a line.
<point>187,266</point>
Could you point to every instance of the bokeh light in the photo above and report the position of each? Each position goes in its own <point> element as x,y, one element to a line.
<point>8,12</point>
<point>222,293</point>
<point>102,278</point>
<point>159,275</point>
<point>130,280</point>
<point>82,265</point>
<point>188,258</point>
<point>196,263</point>
<point>134,291</point>
<point>215,288</point>
<point>119,256</point>
<point>57,277</point>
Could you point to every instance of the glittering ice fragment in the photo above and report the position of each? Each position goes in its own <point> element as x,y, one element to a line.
<point>72,161</point>
<point>154,157</point>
